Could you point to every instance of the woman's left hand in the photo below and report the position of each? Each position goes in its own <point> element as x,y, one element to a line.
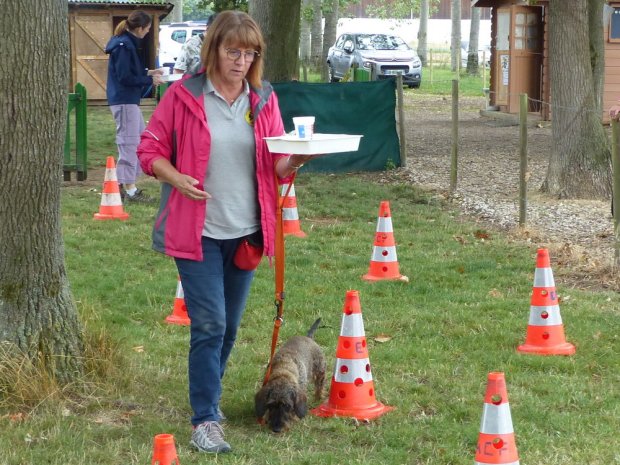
<point>286,166</point>
<point>299,160</point>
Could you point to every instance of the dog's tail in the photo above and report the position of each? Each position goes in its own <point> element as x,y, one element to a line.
<point>313,328</point>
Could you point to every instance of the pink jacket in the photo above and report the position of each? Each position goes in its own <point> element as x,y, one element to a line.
<point>178,130</point>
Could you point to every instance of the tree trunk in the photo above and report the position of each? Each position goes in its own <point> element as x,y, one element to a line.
<point>279,22</point>
<point>423,32</point>
<point>455,42</point>
<point>316,44</point>
<point>176,15</point>
<point>331,12</point>
<point>580,162</point>
<point>597,49</point>
<point>305,35</point>
<point>474,33</point>
<point>37,313</point>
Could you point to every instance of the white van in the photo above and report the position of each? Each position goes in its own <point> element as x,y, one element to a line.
<point>173,36</point>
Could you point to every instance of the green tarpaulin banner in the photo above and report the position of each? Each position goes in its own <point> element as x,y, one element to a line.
<point>366,108</point>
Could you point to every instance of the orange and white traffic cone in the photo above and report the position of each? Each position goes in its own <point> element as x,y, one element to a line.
<point>352,391</point>
<point>383,262</point>
<point>545,331</point>
<point>496,441</point>
<point>179,311</point>
<point>111,207</point>
<point>164,450</point>
<point>290,216</point>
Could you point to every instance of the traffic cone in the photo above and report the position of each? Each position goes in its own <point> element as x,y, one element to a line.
<point>352,391</point>
<point>290,217</point>
<point>179,311</point>
<point>164,451</point>
<point>545,331</point>
<point>496,441</point>
<point>383,262</point>
<point>111,207</point>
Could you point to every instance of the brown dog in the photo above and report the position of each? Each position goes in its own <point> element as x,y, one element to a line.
<point>283,398</point>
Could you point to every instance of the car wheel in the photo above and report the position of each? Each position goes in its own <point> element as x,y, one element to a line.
<point>330,74</point>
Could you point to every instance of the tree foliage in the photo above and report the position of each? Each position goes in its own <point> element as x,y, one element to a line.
<point>196,9</point>
<point>221,5</point>
<point>398,9</point>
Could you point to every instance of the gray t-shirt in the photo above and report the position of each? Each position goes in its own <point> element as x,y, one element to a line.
<point>232,210</point>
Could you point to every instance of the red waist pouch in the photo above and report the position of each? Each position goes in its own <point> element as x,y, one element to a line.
<point>249,252</point>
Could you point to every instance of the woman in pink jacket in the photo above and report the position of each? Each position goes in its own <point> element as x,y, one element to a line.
<point>205,143</point>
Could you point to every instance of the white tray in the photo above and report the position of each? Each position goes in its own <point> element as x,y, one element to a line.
<point>320,144</point>
<point>172,77</point>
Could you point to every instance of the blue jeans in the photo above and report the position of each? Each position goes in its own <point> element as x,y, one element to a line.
<point>215,295</point>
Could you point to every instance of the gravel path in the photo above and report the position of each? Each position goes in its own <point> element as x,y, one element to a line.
<point>578,233</point>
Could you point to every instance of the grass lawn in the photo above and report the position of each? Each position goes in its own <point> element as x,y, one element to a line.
<point>431,341</point>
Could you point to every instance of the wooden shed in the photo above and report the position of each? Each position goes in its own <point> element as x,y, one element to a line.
<point>91,25</point>
<point>519,55</point>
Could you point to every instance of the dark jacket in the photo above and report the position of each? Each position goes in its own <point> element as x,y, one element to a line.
<point>126,73</point>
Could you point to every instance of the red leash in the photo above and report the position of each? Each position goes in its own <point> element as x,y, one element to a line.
<point>279,273</point>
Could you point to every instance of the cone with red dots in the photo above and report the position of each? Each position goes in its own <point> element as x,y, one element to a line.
<point>545,331</point>
<point>179,314</point>
<point>352,391</point>
<point>290,215</point>
<point>496,441</point>
<point>111,207</point>
<point>383,262</point>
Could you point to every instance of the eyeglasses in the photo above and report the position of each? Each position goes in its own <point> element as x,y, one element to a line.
<point>234,54</point>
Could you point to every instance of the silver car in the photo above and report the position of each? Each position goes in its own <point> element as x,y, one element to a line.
<point>382,55</point>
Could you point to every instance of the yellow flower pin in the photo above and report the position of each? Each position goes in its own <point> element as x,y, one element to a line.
<point>249,117</point>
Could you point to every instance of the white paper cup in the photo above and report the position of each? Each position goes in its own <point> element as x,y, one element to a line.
<point>304,127</point>
<point>165,71</point>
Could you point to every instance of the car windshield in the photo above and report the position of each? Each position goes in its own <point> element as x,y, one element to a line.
<point>380,42</point>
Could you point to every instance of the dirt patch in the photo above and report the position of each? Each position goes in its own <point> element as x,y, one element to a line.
<point>578,233</point>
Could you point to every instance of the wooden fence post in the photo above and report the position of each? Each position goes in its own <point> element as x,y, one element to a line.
<point>455,136</point>
<point>401,119</point>
<point>615,161</point>
<point>523,158</point>
<point>430,65</point>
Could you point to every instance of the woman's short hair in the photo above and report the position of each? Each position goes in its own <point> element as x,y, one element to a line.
<point>236,29</point>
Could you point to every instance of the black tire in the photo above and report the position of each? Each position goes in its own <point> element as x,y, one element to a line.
<point>330,74</point>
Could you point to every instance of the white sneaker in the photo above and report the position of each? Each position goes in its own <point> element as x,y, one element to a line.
<point>209,437</point>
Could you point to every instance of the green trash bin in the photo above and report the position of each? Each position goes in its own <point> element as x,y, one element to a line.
<point>361,75</point>
<point>161,89</point>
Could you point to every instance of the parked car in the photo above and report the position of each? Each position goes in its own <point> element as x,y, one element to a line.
<point>484,54</point>
<point>382,55</point>
<point>173,36</point>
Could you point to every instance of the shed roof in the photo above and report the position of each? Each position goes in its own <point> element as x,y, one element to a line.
<point>121,2</point>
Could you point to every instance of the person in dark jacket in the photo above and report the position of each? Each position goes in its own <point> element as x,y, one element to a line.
<point>127,76</point>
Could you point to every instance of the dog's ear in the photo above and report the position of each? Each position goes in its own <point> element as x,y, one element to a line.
<point>260,402</point>
<point>300,403</point>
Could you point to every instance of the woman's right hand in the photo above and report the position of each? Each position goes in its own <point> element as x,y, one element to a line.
<point>190,187</point>
<point>157,79</point>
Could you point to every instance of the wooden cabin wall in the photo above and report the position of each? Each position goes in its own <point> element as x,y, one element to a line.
<point>90,29</point>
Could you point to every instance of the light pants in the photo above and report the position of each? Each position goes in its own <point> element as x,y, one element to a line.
<point>129,127</point>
